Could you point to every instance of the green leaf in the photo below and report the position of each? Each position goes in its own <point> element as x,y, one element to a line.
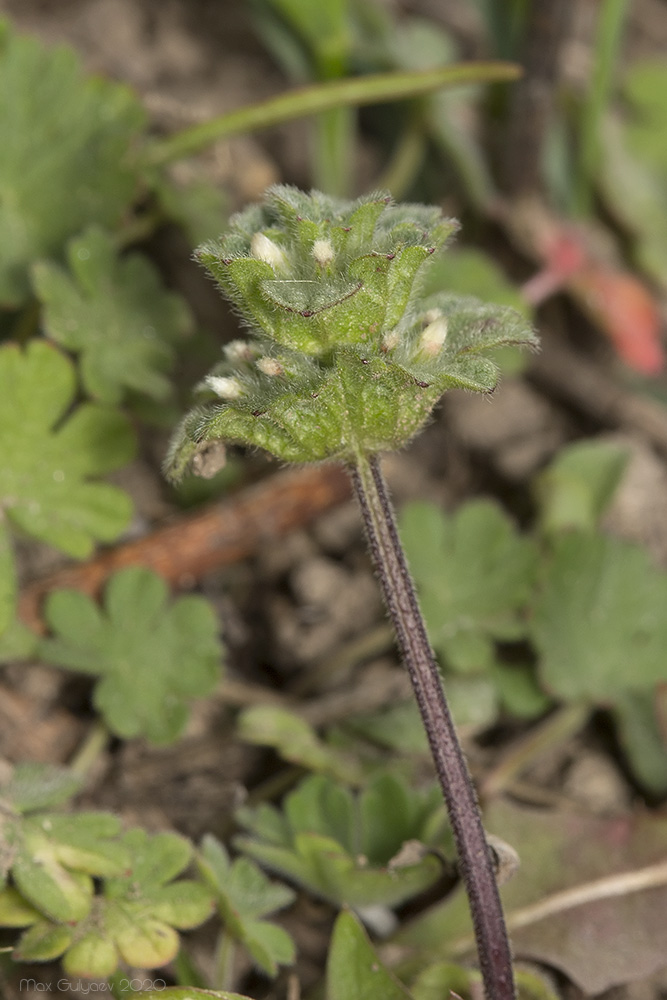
<point>52,858</point>
<point>470,272</point>
<point>574,490</point>
<point>136,917</point>
<point>151,657</point>
<point>638,716</point>
<point>15,911</point>
<point>244,894</point>
<point>17,642</point>
<point>91,951</point>
<point>34,786</point>
<point>599,622</point>
<point>56,855</point>
<point>296,741</point>
<point>474,574</point>
<point>67,155</point>
<point>60,894</point>
<point>115,314</point>
<point>354,971</point>
<point>42,942</point>
<point>340,846</point>
<point>51,456</point>
<point>444,979</point>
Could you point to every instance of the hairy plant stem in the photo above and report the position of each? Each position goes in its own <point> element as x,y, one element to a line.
<point>475,857</point>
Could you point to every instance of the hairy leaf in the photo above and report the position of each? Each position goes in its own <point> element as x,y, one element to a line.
<point>115,314</point>
<point>342,846</point>
<point>51,453</point>
<point>66,155</point>
<point>136,917</point>
<point>151,657</point>
<point>244,896</point>
<point>474,574</point>
<point>599,621</point>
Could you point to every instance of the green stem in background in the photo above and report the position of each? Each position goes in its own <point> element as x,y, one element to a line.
<point>407,157</point>
<point>596,99</point>
<point>95,743</point>
<point>475,859</point>
<point>223,973</point>
<point>554,731</point>
<point>356,91</point>
<point>334,151</point>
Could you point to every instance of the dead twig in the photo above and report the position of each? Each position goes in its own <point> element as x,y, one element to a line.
<point>191,546</point>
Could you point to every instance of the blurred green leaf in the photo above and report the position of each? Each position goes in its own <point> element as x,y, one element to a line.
<point>468,271</point>
<point>152,657</point>
<point>578,485</point>
<point>354,971</point>
<point>244,896</point>
<point>645,87</point>
<point>599,620</point>
<point>346,848</point>
<point>115,314</point>
<point>34,786</point>
<point>444,979</point>
<point>474,575</point>
<point>296,741</point>
<point>52,857</point>
<point>638,717</point>
<point>137,916</point>
<point>66,154</point>
<point>16,642</point>
<point>52,449</point>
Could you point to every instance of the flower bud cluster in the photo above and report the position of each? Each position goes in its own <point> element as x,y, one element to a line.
<point>343,357</point>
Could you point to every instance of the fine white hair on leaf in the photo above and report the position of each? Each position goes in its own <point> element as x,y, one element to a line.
<point>225,386</point>
<point>433,337</point>
<point>269,366</point>
<point>265,249</point>
<point>323,252</point>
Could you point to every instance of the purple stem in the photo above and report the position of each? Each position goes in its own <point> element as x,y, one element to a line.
<point>475,857</point>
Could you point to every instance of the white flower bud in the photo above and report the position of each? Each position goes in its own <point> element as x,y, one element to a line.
<point>224,386</point>
<point>238,350</point>
<point>265,249</point>
<point>433,337</point>
<point>390,340</point>
<point>269,366</point>
<point>323,252</point>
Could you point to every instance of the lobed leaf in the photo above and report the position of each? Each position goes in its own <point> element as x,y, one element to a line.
<point>45,487</point>
<point>354,971</point>
<point>474,574</point>
<point>598,622</point>
<point>339,845</point>
<point>83,172</point>
<point>115,314</point>
<point>244,895</point>
<point>151,657</point>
